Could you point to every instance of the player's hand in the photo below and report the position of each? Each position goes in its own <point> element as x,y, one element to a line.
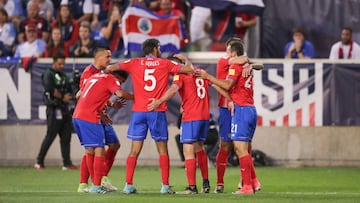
<point>231,107</point>
<point>201,73</point>
<point>119,103</point>
<point>67,98</point>
<point>154,104</point>
<point>105,118</point>
<point>246,72</point>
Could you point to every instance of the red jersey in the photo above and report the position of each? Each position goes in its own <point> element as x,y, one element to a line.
<point>88,72</point>
<point>242,92</point>
<point>194,93</point>
<point>97,91</point>
<point>222,69</point>
<point>150,77</point>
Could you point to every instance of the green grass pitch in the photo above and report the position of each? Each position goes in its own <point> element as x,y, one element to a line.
<point>25,184</point>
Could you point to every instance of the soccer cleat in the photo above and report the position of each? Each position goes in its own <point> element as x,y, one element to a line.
<point>83,187</point>
<point>206,186</point>
<point>188,191</point>
<point>39,166</point>
<point>219,189</point>
<point>105,182</point>
<point>129,189</point>
<point>166,189</point>
<point>240,185</point>
<point>99,189</point>
<point>69,168</point>
<point>245,190</point>
<point>256,185</point>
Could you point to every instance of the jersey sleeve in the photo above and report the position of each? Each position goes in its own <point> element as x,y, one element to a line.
<point>113,84</point>
<point>126,65</point>
<point>174,67</point>
<point>234,72</point>
<point>84,76</point>
<point>177,80</point>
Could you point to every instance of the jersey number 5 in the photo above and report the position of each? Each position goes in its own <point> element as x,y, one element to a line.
<point>149,77</point>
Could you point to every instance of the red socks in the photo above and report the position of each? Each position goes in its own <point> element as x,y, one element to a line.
<point>109,160</point>
<point>164,164</point>
<point>99,162</point>
<point>245,169</point>
<point>202,161</point>
<point>130,169</point>
<point>84,171</point>
<point>90,165</point>
<point>221,162</point>
<point>190,168</point>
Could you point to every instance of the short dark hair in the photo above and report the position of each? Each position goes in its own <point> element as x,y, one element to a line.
<point>299,30</point>
<point>237,47</point>
<point>100,49</point>
<point>233,39</point>
<point>121,73</point>
<point>58,56</point>
<point>149,45</point>
<point>347,28</point>
<point>173,58</point>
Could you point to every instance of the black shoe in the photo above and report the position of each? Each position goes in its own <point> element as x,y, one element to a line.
<point>189,191</point>
<point>206,186</point>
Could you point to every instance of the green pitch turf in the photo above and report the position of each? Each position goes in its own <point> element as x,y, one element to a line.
<point>25,184</point>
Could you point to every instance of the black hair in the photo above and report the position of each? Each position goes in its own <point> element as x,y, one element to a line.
<point>299,30</point>
<point>237,47</point>
<point>347,28</point>
<point>58,56</point>
<point>121,73</point>
<point>173,58</point>
<point>233,39</point>
<point>100,49</point>
<point>149,45</point>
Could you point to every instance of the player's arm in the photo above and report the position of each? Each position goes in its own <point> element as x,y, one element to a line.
<point>222,92</point>
<point>225,84</point>
<point>155,103</point>
<point>187,67</point>
<point>238,60</point>
<point>124,94</point>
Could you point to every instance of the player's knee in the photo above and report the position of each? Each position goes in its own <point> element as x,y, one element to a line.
<point>114,146</point>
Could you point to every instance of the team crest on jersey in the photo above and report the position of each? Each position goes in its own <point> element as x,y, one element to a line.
<point>231,71</point>
<point>176,77</point>
<point>144,25</point>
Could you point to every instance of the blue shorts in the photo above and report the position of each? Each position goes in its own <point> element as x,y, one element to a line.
<point>243,123</point>
<point>110,134</point>
<point>91,135</point>
<point>225,124</point>
<point>194,131</point>
<point>156,122</point>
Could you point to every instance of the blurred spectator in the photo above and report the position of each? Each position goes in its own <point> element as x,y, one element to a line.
<point>69,26</point>
<point>32,47</point>
<point>81,10</point>
<point>299,47</point>
<point>110,32</point>
<point>243,21</point>
<point>346,48</point>
<point>102,8</point>
<point>7,34</point>
<point>85,45</point>
<point>167,9</point>
<point>13,9</point>
<point>152,5</point>
<point>200,25</point>
<point>34,18</point>
<point>222,28</point>
<point>56,44</point>
<point>46,10</point>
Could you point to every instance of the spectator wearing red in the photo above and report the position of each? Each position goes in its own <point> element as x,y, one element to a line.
<point>69,26</point>
<point>243,22</point>
<point>56,44</point>
<point>34,18</point>
<point>167,9</point>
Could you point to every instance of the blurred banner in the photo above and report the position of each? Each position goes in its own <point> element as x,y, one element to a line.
<point>286,94</point>
<point>255,7</point>
<point>139,24</point>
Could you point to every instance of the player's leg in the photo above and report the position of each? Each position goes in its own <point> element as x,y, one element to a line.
<point>241,149</point>
<point>137,133</point>
<point>224,149</point>
<point>200,129</point>
<point>113,145</point>
<point>255,182</point>
<point>157,123</point>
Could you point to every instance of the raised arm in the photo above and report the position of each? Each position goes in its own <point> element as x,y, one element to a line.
<point>225,84</point>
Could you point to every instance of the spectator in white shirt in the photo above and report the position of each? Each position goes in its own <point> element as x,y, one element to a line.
<point>32,47</point>
<point>346,48</point>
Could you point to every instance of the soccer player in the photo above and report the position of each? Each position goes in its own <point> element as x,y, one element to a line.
<point>86,119</point>
<point>194,94</point>
<point>102,58</point>
<point>224,119</point>
<point>244,119</point>
<point>150,75</point>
